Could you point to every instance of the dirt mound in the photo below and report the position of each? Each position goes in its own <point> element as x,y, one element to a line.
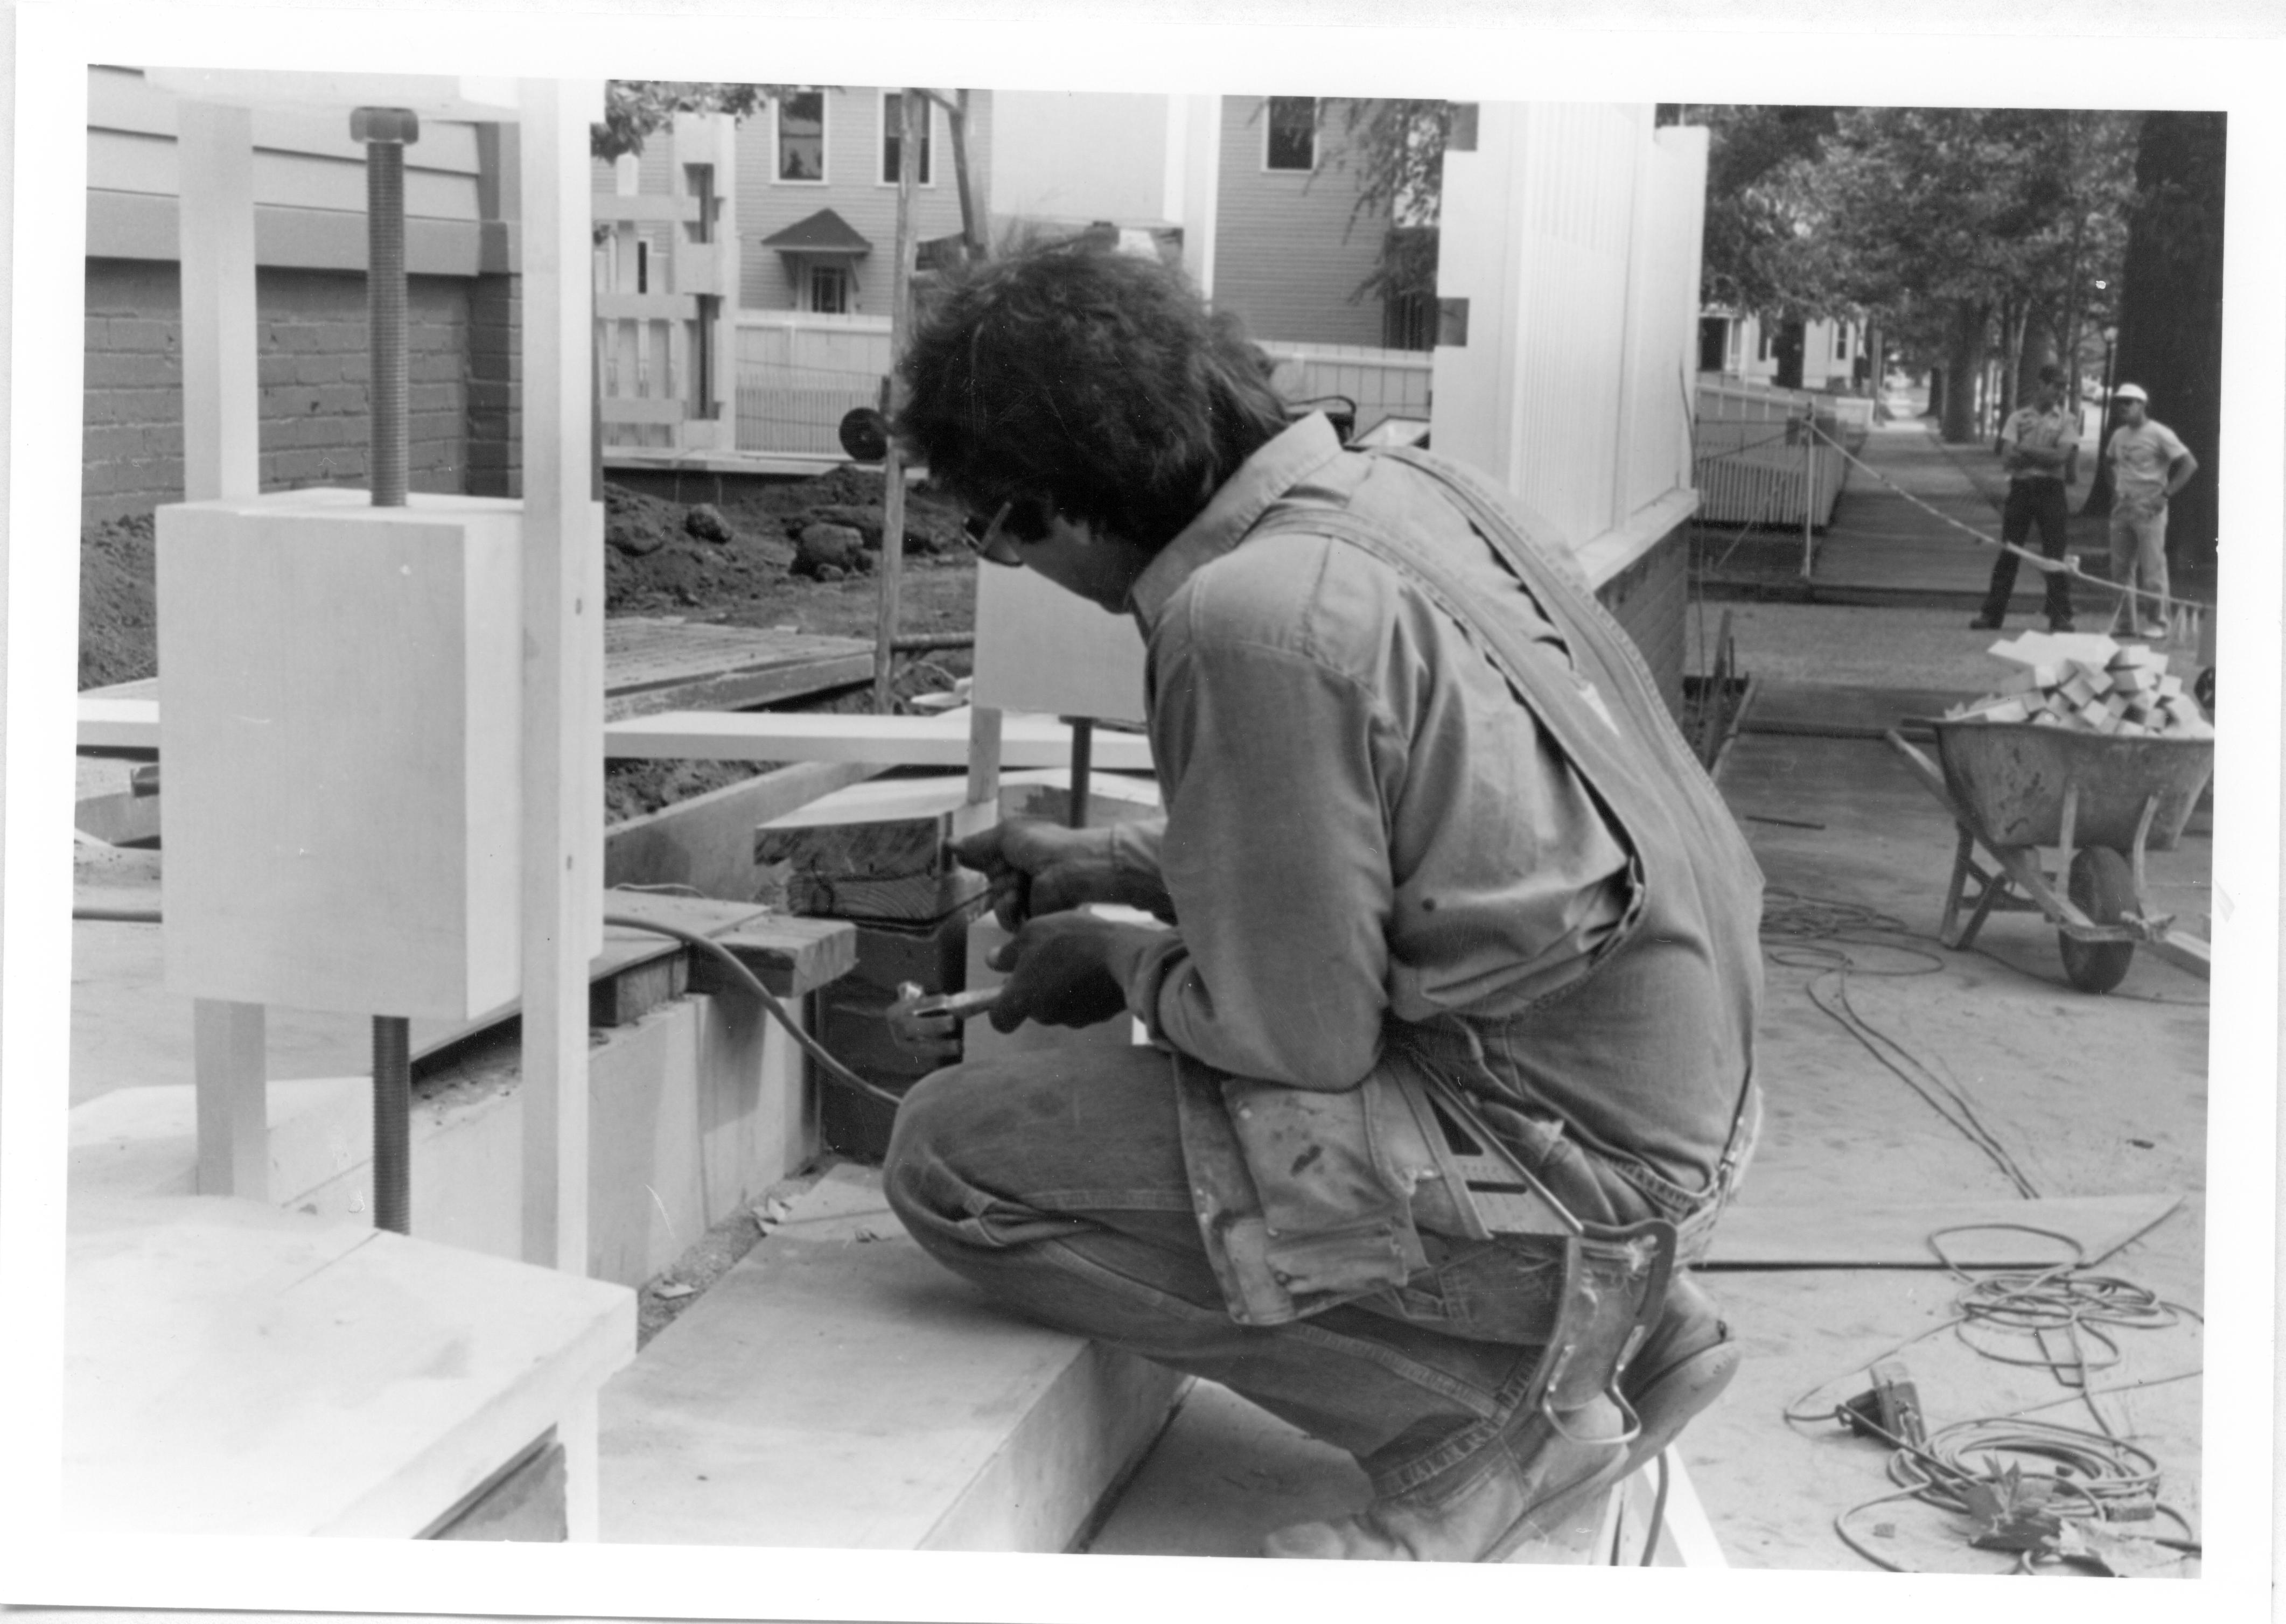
<point>118,604</point>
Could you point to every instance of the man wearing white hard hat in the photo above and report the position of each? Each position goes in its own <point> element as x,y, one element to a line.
<point>2148,465</point>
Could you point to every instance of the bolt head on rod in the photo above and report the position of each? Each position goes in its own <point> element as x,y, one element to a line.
<point>397,124</point>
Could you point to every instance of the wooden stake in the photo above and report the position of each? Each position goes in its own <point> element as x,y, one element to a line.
<point>892,467</point>
<point>221,460</point>
<point>562,669</point>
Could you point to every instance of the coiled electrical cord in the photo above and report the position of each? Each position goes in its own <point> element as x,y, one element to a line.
<point>2102,1473</point>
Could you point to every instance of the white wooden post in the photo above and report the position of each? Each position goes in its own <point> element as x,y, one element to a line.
<point>562,669</point>
<point>222,461</point>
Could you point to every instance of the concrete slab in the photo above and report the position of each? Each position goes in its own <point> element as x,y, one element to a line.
<point>840,1388</point>
<point>231,1369</point>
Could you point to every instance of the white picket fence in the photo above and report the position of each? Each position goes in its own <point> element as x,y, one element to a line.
<point>800,374</point>
<point>1754,461</point>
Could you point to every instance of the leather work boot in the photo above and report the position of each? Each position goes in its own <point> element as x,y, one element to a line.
<point>1540,1477</point>
<point>1682,1368</point>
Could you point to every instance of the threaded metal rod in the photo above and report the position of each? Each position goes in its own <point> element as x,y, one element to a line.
<point>392,1117</point>
<point>385,202</point>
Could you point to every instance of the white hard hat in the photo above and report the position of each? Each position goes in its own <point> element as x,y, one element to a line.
<point>2131,392</point>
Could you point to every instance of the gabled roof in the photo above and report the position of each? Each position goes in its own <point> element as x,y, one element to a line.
<point>822,233</point>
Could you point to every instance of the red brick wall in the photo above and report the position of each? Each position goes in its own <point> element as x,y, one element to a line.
<point>1650,598</point>
<point>311,328</point>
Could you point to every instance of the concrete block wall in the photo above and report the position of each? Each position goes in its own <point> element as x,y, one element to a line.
<point>311,327</point>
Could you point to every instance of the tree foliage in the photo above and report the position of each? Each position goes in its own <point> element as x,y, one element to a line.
<point>634,109</point>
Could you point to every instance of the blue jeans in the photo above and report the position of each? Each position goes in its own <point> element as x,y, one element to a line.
<point>2032,502</point>
<point>1056,1182</point>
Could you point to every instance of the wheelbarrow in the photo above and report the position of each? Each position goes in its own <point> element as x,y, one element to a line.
<point>2101,801</point>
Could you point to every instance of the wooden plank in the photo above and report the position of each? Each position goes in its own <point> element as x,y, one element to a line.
<point>791,955</point>
<point>1848,1236</point>
<point>221,428</point>
<point>741,689</point>
<point>699,736</point>
<point>904,741</point>
<point>708,842</point>
<point>232,1083</point>
<point>799,954</point>
<point>562,831</point>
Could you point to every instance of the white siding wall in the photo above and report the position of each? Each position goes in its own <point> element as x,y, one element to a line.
<point>1572,233</point>
<point>1287,257</point>
<point>853,189</point>
<point>301,161</point>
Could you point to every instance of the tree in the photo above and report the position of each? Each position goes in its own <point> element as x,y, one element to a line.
<point>2171,306</point>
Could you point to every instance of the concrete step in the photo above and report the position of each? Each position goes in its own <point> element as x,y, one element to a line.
<point>840,1388</point>
<point>233,1369</point>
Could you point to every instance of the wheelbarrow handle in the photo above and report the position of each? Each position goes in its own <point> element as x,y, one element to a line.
<point>1926,770</point>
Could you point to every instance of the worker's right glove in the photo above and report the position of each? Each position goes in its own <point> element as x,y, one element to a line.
<point>1068,969</point>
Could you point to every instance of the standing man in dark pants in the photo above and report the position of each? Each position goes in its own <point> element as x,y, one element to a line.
<point>2036,446</point>
<point>1451,1015</point>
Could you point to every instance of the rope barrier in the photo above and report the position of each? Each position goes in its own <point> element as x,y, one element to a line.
<point>2067,564</point>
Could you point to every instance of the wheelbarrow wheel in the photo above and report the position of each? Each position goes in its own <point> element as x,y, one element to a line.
<point>2101,887</point>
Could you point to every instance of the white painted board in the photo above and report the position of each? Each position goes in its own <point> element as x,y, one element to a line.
<point>1038,648</point>
<point>341,740</point>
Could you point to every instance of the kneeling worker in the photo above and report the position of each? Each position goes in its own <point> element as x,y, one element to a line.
<point>1452,1058</point>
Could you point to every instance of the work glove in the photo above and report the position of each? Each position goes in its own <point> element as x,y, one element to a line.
<point>1037,867</point>
<point>1067,969</point>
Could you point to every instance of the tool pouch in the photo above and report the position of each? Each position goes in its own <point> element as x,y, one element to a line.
<point>1615,1277</point>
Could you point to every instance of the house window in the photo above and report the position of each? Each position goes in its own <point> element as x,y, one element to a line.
<point>1841,342</point>
<point>892,138</point>
<point>1764,350</point>
<point>829,290</point>
<point>1293,137</point>
<point>801,136</point>
<point>699,181</point>
<point>642,267</point>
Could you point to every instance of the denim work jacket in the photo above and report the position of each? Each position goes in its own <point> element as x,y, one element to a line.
<point>1417,779</point>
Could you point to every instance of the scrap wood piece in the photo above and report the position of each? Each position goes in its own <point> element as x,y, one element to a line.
<point>1844,1235</point>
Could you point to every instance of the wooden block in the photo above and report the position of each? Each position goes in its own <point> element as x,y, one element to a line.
<point>627,996</point>
<point>2027,648</point>
<point>2076,690</point>
<point>791,955</point>
<point>708,842</point>
<point>2097,678</point>
<point>342,734</point>
<point>892,869</point>
<point>2012,710</point>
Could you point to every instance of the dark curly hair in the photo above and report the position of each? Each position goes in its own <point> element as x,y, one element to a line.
<point>1095,380</point>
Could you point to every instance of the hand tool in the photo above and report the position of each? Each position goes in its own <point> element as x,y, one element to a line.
<point>927,1020</point>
